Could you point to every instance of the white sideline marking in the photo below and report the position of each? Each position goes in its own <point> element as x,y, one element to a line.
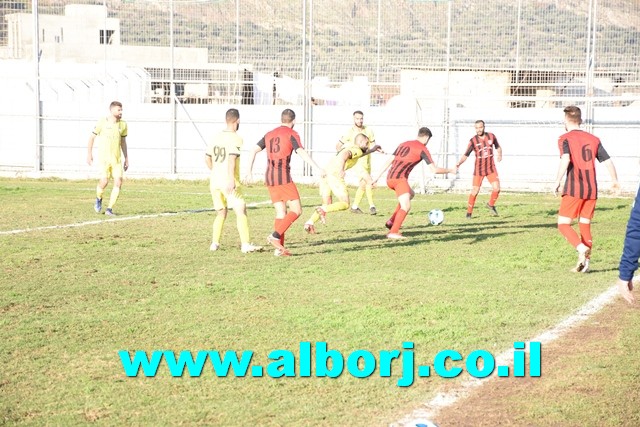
<point>124,218</point>
<point>430,409</point>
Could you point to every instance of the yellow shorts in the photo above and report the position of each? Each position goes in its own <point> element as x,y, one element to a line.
<point>111,168</point>
<point>222,200</point>
<point>362,168</point>
<point>331,184</point>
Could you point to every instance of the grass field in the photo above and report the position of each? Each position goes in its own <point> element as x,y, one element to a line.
<point>72,297</point>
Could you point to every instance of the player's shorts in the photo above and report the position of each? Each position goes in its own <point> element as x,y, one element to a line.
<point>400,186</point>
<point>221,199</point>
<point>572,207</point>
<point>477,179</point>
<point>283,193</point>
<point>332,184</point>
<point>111,168</point>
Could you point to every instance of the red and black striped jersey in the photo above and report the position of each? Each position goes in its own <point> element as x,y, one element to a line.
<point>279,143</point>
<point>583,149</point>
<point>407,156</point>
<point>483,148</point>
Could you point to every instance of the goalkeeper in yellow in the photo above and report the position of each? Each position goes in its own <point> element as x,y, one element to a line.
<point>362,168</point>
<point>334,184</point>
<point>110,137</point>
<point>223,159</point>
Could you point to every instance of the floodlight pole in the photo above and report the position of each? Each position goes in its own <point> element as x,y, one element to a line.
<point>591,48</point>
<point>39,155</point>
<point>447,118</point>
<point>172,96</point>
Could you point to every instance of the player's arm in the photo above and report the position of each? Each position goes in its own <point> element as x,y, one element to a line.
<point>231,173</point>
<point>123,147</point>
<point>92,139</point>
<point>498,152</point>
<point>434,168</point>
<point>615,185</point>
<point>565,159</point>
<point>339,145</point>
<point>307,158</point>
<point>208,160</point>
<point>630,253</point>
<point>384,169</point>
<point>252,157</point>
<point>373,149</point>
<point>466,154</point>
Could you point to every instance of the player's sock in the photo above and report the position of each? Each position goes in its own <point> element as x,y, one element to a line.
<point>494,197</point>
<point>585,234</point>
<point>276,224</point>
<point>369,191</point>
<point>218,222</point>
<point>114,197</point>
<point>243,227</point>
<point>393,217</point>
<point>569,234</point>
<point>314,218</point>
<point>286,222</point>
<point>358,198</point>
<point>397,222</point>
<point>335,207</point>
<point>99,191</point>
<point>471,203</point>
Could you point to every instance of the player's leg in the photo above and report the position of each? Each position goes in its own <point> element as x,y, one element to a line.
<point>355,207</point>
<point>326,195</point>
<point>289,193</point>
<point>117,172</point>
<point>475,189</point>
<point>569,209</point>
<point>369,191</point>
<point>105,173</point>
<point>405,194</point>
<point>495,192</point>
<point>242,222</point>
<point>220,206</point>
<point>584,224</point>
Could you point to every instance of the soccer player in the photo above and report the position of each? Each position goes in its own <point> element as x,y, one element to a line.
<point>483,144</point>
<point>363,166</point>
<point>630,253</point>
<point>223,159</point>
<point>405,158</point>
<point>280,143</point>
<point>334,183</point>
<point>578,153</point>
<point>110,133</point>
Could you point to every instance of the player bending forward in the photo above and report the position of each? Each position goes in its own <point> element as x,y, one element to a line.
<point>405,158</point>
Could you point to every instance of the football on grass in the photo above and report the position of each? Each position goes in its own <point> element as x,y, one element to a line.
<point>436,216</point>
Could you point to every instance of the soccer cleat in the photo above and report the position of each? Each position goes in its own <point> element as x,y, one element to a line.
<point>275,241</point>
<point>249,247</point>
<point>281,252</point>
<point>214,247</point>
<point>98,205</point>
<point>373,211</point>
<point>492,209</point>
<point>109,212</point>
<point>322,213</point>
<point>388,224</point>
<point>395,236</point>
<point>468,215</point>
<point>583,262</point>
<point>356,210</point>
<point>310,228</point>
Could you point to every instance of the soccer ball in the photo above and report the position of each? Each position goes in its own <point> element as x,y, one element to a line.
<point>436,216</point>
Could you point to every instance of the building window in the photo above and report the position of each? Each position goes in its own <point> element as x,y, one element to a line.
<point>106,36</point>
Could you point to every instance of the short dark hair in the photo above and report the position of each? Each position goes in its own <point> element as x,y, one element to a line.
<point>232,114</point>
<point>358,112</point>
<point>287,116</point>
<point>425,131</point>
<point>573,114</point>
<point>115,104</point>
<point>480,121</point>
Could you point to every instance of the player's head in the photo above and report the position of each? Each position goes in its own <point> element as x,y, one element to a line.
<point>424,135</point>
<point>479,125</point>
<point>288,117</point>
<point>232,117</point>
<point>358,118</point>
<point>115,108</point>
<point>572,117</point>
<point>361,141</point>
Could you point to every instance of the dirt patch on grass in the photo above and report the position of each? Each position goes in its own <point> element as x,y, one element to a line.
<point>582,381</point>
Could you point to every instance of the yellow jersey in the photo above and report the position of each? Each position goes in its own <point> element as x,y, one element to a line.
<point>223,145</point>
<point>334,165</point>
<point>348,138</point>
<point>109,137</point>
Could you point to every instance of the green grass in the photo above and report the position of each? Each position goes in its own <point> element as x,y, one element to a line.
<point>70,298</point>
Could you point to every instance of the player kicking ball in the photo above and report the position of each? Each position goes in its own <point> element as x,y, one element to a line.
<point>405,158</point>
